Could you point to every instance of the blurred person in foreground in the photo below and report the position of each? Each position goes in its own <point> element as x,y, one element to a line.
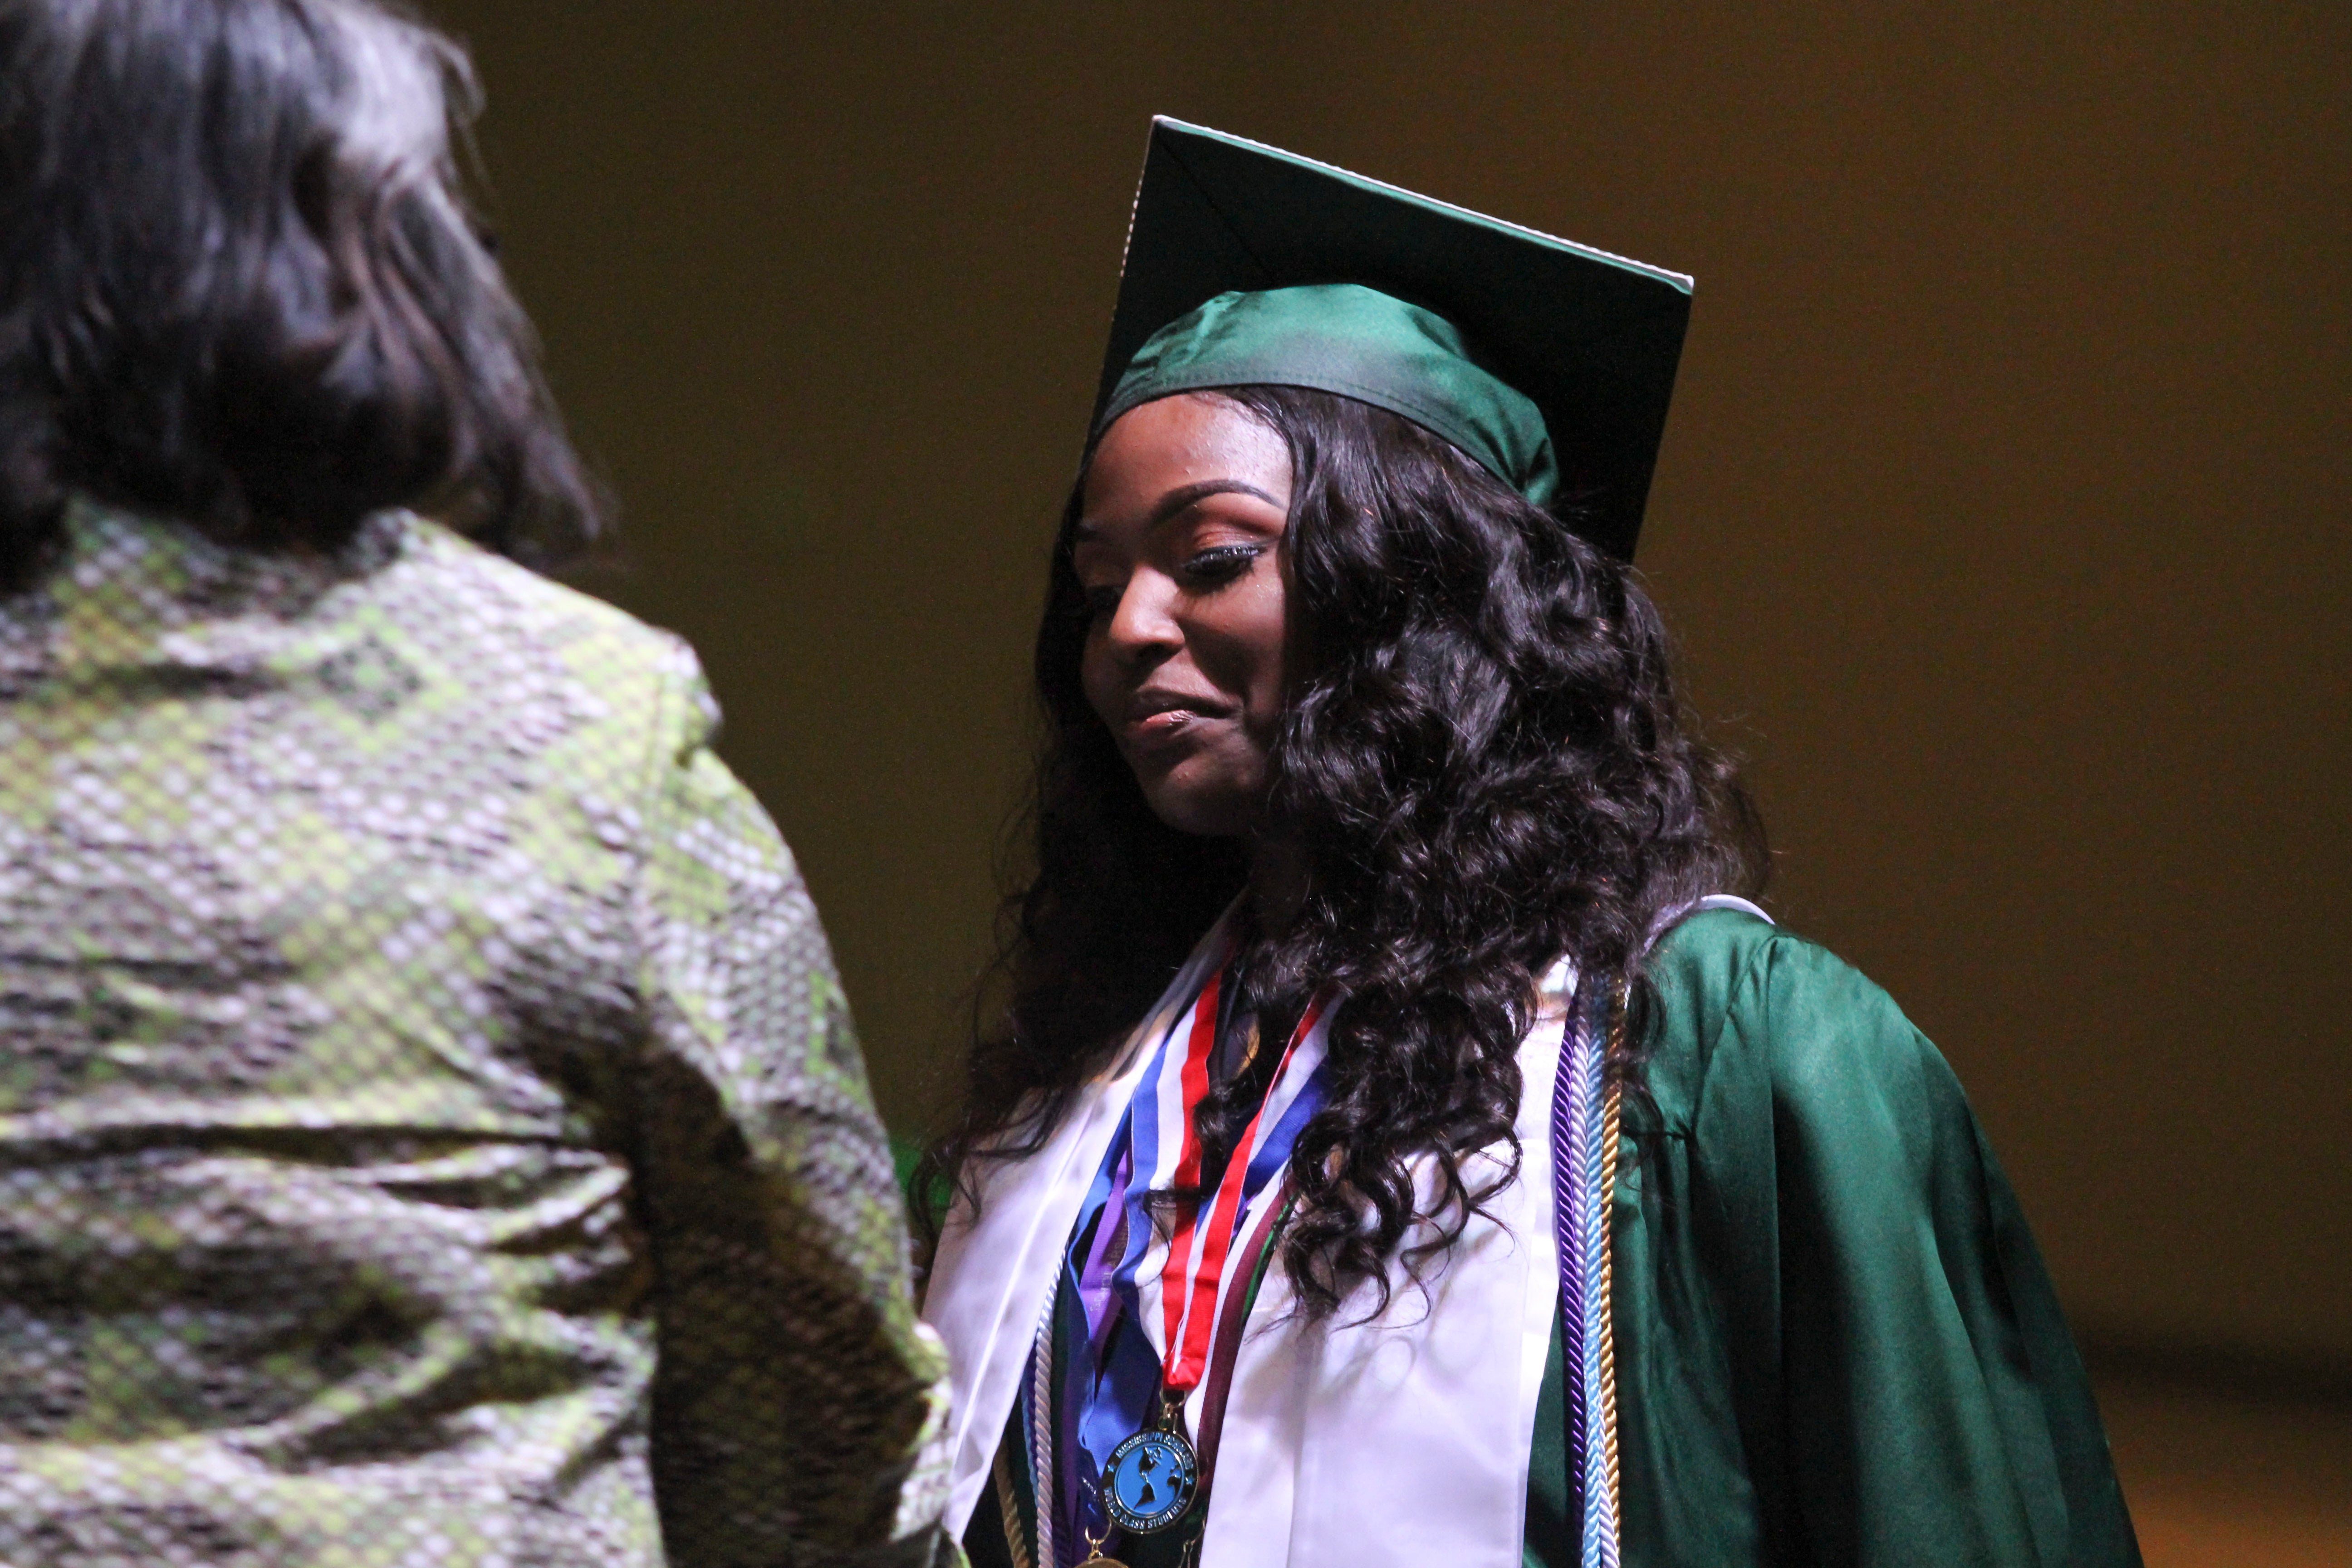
<point>431,1129</point>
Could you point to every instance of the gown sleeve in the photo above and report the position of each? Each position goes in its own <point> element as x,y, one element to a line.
<point>797,1401</point>
<point>1909,1392</point>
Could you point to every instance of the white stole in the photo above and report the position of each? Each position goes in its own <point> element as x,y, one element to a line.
<point>990,1280</point>
<point>1403,1438</point>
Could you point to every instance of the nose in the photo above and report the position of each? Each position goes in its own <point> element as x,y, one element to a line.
<point>1144,629</point>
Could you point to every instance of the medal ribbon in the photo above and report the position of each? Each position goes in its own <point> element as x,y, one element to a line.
<point>1159,1150</point>
<point>1196,1262</point>
<point>1142,1322</point>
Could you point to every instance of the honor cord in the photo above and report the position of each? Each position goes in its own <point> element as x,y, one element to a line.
<point>1042,1480</point>
<point>1585,1125</point>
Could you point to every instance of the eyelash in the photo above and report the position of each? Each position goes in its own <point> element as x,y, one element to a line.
<point>1221,563</point>
<point>1210,569</point>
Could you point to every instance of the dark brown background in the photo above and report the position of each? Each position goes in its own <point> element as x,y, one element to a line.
<point>2002,512</point>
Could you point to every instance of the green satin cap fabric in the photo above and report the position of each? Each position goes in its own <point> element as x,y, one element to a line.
<point>1550,362</point>
<point>1359,343</point>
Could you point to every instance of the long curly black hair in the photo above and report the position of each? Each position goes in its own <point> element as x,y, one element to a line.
<point>1482,766</point>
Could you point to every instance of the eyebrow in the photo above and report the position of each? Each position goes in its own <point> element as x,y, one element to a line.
<point>1180,498</point>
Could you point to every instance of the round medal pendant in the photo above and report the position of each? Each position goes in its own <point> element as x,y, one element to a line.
<point>1150,1481</point>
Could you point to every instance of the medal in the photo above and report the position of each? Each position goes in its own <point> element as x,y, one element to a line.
<point>1152,1480</point>
<point>1149,1481</point>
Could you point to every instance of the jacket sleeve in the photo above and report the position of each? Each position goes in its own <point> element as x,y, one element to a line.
<point>1934,1409</point>
<point>798,1404</point>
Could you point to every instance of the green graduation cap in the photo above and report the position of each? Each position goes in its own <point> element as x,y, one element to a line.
<point>1549,363</point>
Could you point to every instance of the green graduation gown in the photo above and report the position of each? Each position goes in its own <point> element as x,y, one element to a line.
<point>1836,1343</point>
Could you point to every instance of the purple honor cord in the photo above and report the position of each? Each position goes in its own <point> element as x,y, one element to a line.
<point>1570,1097</point>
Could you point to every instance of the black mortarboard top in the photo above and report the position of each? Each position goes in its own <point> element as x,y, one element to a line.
<point>1592,339</point>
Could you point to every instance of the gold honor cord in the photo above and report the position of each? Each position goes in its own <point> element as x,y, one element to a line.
<point>1008,1505</point>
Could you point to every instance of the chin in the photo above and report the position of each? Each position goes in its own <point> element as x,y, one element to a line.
<point>1209,814</point>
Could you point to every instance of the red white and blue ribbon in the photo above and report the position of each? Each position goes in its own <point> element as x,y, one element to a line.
<point>1181,1293</point>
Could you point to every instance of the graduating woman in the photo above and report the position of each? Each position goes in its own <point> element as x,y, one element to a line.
<point>1402,1144</point>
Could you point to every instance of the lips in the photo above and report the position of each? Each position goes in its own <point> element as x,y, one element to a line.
<point>1164,715</point>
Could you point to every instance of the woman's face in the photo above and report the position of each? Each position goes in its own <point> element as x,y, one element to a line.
<point>1178,552</point>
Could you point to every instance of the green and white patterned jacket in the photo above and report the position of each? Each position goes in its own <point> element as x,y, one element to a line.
<point>430,1131</point>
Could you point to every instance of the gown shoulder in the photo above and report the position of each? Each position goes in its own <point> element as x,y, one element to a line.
<point>1830,1305</point>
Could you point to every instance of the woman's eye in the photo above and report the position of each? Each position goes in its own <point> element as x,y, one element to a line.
<point>1100,604</point>
<point>1221,563</point>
